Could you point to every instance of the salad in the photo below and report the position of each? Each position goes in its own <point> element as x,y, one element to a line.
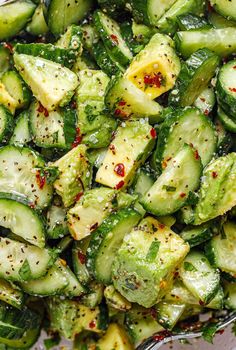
<point>117,169</point>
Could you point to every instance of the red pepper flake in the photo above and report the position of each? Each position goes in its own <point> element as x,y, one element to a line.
<point>81,257</point>
<point>155,79</point>
<point>234,67</point>
<point>153,313</point>
<point>196,155</point>
<point>120,169</point>
<point>232,89</point>
<point>210,8</point>
<point>221,331</point>
<point>78,138</point>
<point>176,274</point>
<point>42,109</point>
<point>94,226</point>
<point>121,103</point>
<point>201,303</point>
<point>161,226</point>
<point>40,179</point>
<point>164,164</point>
<point>206,112</point>
<point>92,324</point>
<point>114,39</point>
<point>153,133</point>
<point>161,336</point>
<point>168,159</point>
<point>32,205</point>
<point>120,113</point>
<point>9,47</point>
<point>73,105</point>
<point>78,196</point>
<point>182,195</point>
<point>202,99</point>
<point>119,185</point>
<point>214,174</point>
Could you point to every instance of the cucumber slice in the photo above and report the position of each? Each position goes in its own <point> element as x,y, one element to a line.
<point>199,277</point>
<point>106,241</point>
<point>106,61</point>
<point>62,13</point>
<point>109,32</point>
<point>17,88</point>
<point>5,58</point>
<point>53,85</point>
<point>226,87</point>
<point>11,294</point>
<point>169,313</point>
<point>143,182</point>
<point>225,8</point>
<point>206,101</point>
<point>230,295</point>
<point>22,262</point>
<point>55,129</point>
<point>217,190</point>
<point>27,340</point>
<point>16,216</point>
<point>21,134</point>
<point>52,284</point>
<point>6,124</point>
<point>19,174</point>
<point>225,140</point>
<point>38,25</point>
<point>125,100</point>
<point>181,126</point>
<point>56,222</point>
<point>71,39</point>
<point>190,21</point>
<point>221,41</point>
<point>14,16</point>
<point>196,235</point>
<point>194,77</point>
<point>65,57</point>
<point>168,22</point>
<point>226,120</point>
<point>171,190</point>
<point>221,249</point>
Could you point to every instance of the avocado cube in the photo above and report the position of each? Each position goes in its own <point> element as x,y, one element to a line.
<point>145,264</point>
<point>51,83</point>
<point>75,175</point>
<point>115,338</point>
<point>90,211</point>
<point>133,142</point>
<point>155,69</point>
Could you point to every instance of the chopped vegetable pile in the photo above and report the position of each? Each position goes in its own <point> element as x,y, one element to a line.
<point>117,169</point>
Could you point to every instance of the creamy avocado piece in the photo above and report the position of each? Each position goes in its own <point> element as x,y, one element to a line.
<point>144,266</point>
<point>51,83</point>
<point>131,146</point>
<point>75,175</point>
<point>155,69</point>
<point>115,338</point>
<point>217,191</point>
<point>90,211</point>
<point>7,100</point>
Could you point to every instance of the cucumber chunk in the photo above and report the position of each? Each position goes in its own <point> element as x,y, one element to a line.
<point>228,122</point>
<point>30,262</point>
<point>206,101</point>
<point>6,124</point>
<point>145,264</point>
<point>226,87</point>
<point>20,173</point>
<point>225,8</point>
<point>62,13</point>
<point>169,313</point>
<point>109,32</point>
<point>5,59</point>
<point>50,83</point>
<point>125,100</point>
<point>79,259</point>
<point>199,277</point>
<point>219,21</point>
<point>131,146</point>
<point>196,235</point>
<point>155,69</point>
<point>221,249</point>
<point>190,21</point>
<point>194,77</point>
<point>14,16</point>
<point>56,222</point>
<point>55,129</point>
<point>115,300</point>
<point>16,216</point>
<point>11,294</point>
<point>230,295</point>
<point>217,189</point>
<point>171,190</point>
<point>221,41</point>
<point>38,25</point>
<point>106,240</point>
